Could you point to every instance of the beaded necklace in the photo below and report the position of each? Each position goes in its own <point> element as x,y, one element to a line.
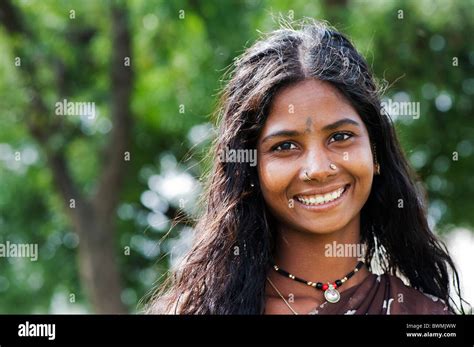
<point>331,294</point>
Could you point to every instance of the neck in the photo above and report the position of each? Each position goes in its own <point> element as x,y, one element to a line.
<point>305,255</point>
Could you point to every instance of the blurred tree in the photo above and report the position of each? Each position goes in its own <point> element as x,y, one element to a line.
<point>93,217</point>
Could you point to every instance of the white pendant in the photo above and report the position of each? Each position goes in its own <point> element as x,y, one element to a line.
<point>331,294</point>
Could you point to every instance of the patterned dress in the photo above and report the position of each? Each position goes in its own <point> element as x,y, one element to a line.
<point>383,294</point>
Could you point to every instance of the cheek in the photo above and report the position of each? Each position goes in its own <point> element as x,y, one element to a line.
<point>361,167</point>
<point>274,178</point>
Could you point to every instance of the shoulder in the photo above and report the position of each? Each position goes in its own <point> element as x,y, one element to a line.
<point>409,300</point>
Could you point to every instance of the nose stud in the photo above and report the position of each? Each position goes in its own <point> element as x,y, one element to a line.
<point>307,178</point>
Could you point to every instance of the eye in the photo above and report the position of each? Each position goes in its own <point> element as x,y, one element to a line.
<point>341,136</point>
<point>284,146</point>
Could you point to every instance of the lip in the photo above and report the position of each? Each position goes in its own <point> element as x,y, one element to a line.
<point>326,206</point>
<point>322,191</point>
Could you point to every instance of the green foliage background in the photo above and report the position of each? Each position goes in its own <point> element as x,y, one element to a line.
<point>182,62</point>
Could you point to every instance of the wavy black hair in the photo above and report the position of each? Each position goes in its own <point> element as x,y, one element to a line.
<point>225,270</point>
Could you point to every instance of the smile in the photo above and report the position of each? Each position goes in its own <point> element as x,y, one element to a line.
<point>326,200</point>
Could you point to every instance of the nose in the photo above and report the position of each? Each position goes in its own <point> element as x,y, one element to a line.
<point>317,166</point>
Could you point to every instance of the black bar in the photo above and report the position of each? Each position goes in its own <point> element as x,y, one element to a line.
<point>152,329</point>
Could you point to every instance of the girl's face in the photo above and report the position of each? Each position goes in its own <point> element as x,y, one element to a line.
<point>312,128</point>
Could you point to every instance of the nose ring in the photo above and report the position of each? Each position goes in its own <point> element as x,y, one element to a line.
<point>307,178</point>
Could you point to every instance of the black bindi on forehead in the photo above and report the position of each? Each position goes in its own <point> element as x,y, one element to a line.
<point>309,123</point>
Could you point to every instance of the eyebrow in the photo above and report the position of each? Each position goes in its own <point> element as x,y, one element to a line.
<point>292,133</point>
<point>339,123</point>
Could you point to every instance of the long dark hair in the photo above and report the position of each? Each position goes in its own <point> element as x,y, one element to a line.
<point>225,271</point>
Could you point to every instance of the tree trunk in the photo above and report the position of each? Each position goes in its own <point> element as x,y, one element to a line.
<point>98,266</point>
<point>93,218</point>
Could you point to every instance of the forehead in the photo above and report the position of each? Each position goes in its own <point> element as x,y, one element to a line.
<point>319,100</point>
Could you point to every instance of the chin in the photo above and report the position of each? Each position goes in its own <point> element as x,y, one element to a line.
<point>324,230</point>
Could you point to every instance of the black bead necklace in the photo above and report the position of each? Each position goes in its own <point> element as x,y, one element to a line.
<point>329,289</point>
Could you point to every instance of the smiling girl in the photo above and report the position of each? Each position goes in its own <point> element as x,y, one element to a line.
<point>330,171</point>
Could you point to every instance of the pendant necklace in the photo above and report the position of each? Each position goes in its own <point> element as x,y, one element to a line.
<point>331,294</point>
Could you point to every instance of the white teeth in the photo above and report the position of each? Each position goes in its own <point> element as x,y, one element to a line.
<point>321,199</point>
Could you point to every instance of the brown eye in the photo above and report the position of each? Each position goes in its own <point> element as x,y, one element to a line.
<point>338,137</point>
<point>284,146</point>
